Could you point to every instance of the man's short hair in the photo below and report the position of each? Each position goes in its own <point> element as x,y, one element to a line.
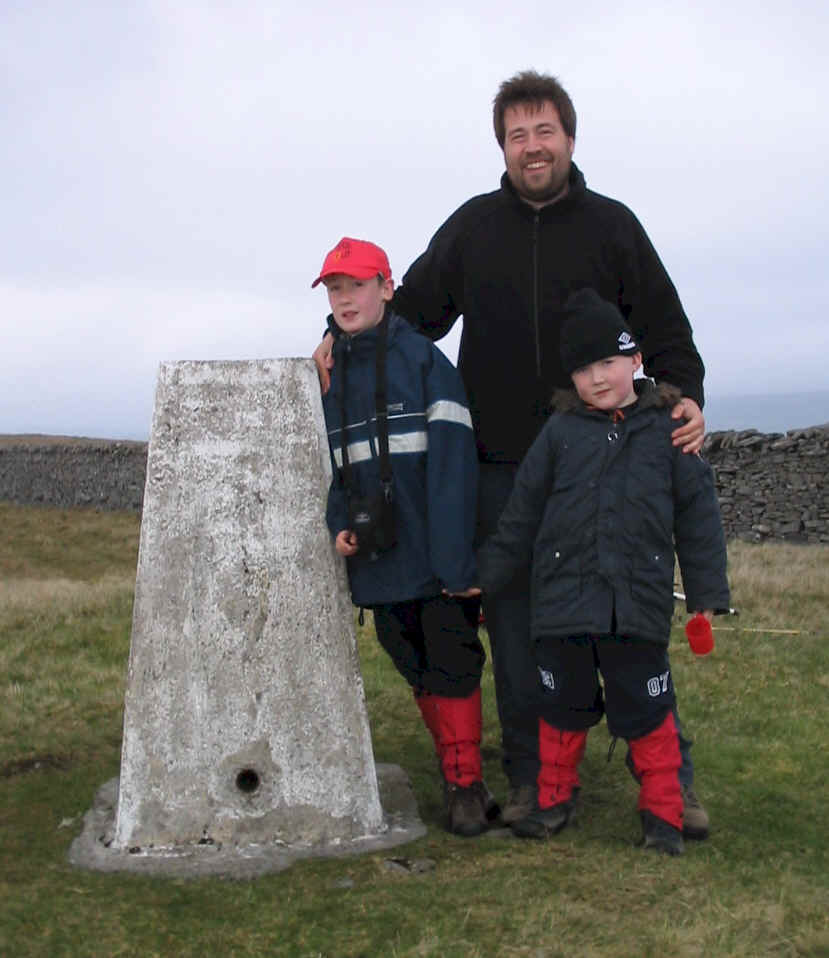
<point>530,87</point>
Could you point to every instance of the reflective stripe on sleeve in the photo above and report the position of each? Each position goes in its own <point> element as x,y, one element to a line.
<point>446,410</point>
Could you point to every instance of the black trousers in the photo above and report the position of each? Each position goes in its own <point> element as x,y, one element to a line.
<point>517,689</point>
<point>433,643</point>
<point>638,689</point>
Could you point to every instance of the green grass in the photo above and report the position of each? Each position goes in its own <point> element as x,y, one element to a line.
<point>757,707</point>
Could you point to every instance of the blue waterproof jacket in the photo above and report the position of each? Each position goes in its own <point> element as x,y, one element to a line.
<point>433,459</point>
<point>597,509</point>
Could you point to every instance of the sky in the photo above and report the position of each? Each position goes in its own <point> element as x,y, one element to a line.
<point>172,174</point>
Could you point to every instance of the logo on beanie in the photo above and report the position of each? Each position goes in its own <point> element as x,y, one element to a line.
<point>626,341</point>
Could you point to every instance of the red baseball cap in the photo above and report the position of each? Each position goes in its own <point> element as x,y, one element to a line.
<point>357,258</point>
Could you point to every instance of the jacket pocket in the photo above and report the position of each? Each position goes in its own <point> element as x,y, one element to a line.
<point>652,586</point>
<point>556,573</point>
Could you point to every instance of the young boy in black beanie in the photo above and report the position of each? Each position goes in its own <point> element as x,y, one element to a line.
<point>599,505</point>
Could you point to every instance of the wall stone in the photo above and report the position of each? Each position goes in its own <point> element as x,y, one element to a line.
<point>770,485</point>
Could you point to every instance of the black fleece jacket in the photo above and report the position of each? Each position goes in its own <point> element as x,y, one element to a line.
<point>508,269</point>
<point>597,509</point>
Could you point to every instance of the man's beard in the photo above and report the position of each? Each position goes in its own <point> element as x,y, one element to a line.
<point>553,190</point>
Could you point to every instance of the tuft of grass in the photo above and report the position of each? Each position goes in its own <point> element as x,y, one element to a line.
<point>780,586</point>
<point>76,544</point>
<point>756,707</point>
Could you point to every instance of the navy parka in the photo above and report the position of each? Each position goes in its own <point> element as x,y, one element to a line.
<point>597,509</point>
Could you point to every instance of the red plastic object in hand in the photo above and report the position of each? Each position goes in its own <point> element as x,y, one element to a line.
<point>700,636</point>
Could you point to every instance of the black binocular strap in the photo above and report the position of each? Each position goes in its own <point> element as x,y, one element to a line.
<point>380,409</point>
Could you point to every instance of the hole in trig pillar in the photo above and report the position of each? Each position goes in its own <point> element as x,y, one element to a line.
<point>247,780</point>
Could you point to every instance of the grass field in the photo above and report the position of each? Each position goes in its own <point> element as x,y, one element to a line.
<point>757,707</point>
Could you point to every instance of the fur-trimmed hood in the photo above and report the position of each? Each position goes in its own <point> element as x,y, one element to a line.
<point>648,393</point>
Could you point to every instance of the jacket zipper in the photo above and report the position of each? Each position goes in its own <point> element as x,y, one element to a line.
<point>535,298</point>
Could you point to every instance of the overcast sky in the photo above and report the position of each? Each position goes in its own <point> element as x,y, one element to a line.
<point>173,173</point>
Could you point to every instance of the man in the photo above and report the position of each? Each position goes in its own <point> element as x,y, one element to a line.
<point>507,261</point>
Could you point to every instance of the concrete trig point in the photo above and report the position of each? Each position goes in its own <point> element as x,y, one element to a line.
<point>246,741</point>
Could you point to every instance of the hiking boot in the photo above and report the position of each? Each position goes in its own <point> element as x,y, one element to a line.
<point>492,810</point>
<point>544,822</point>
<point>465,808</point>
<point>520,802</point>
<point>659,835</point>
<point>694,816</point>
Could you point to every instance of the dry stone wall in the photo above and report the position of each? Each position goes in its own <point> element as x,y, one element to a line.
<point>770,485</point>
<point>63,472</point>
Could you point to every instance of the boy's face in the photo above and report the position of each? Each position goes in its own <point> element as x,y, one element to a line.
<point>608,383</point>
<point>357,304</point>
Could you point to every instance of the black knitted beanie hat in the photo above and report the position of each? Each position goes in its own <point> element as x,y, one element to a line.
<point>594,329</point>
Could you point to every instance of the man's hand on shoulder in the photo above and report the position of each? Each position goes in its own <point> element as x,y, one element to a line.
<point>691,433</point>
<point>323,356</point>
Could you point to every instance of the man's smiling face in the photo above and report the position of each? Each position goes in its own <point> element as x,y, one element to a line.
<point>537,152</point>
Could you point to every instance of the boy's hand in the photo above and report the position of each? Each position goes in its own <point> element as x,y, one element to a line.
<point>323,356</point>
<point>471,593</point>
<point>346,543</point>
<point>691,434</point>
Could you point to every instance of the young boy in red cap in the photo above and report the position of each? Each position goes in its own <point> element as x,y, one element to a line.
<point>600,502</point>
<point>401,508</point>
